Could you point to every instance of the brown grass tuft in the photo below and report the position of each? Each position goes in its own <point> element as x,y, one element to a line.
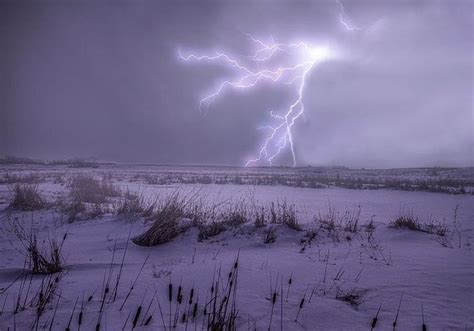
<point>26,197</point>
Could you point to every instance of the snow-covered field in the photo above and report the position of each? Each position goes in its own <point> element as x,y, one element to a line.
<point>346,273</point>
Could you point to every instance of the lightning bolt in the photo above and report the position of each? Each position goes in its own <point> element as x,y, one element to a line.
<point>299,60</point>
<point>345,24</point>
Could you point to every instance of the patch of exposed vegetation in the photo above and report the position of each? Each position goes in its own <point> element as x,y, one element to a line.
<point>43,256</point>
<point>410,222</point>
<point>91,190</point>
<point>166,218</point>
<point>26,197</point>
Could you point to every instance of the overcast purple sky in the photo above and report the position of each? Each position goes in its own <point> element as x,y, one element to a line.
<point>102,78</point>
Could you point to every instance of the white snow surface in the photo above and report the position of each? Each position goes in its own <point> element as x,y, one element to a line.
<point>410,265</point>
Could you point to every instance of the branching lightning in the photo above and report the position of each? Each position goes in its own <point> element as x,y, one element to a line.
<point>299,60</point>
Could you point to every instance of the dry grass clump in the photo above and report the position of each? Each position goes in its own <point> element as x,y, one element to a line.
<point>283,213</point>
<point>236,214</point>
<point>26,197</point>
<point>353,296</point>
<point>163,230</point>
<point>211,229</point>
<point>43,257</point>
<point>217,221</point>
<point>338,226</point>
<point>406,222</point>
<point>45,260</point>
<point>87,189</point>
<point>269,235</point>
<point>211,220</point>
<point>412,223</point>
<point>277,213</point>
<point>133,205</point>
<point>166,218</point>
<point>78,210</point>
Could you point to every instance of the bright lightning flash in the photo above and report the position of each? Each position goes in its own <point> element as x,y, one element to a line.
<point>265,64</point>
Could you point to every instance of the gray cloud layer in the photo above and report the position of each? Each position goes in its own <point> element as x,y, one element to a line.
<point>101,78</point>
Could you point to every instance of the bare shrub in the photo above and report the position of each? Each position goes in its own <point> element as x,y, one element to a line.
<point>88,189</point>
<point>26,197</point>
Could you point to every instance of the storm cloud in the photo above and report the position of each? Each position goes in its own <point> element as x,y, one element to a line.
<point>102,79</point>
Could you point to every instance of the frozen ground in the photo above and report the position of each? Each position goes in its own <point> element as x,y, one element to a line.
<point>371,269</point>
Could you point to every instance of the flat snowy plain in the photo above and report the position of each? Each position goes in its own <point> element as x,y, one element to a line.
<point>346,278</point>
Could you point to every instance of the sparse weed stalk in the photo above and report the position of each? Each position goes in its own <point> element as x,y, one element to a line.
<point>269,235</point>
<point>339,227</point>
<point>43,258</point>
<point>260,217</point>
<point>373,248</point>
<point>309,235</point>
<point>283,213</point>
<point>456,226</point>
<point>46,292</point>
<point>300,307</point>
<point>221,310</point>
<point>273,299</point>
<point>22,297</point>
<point>132,286</point>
